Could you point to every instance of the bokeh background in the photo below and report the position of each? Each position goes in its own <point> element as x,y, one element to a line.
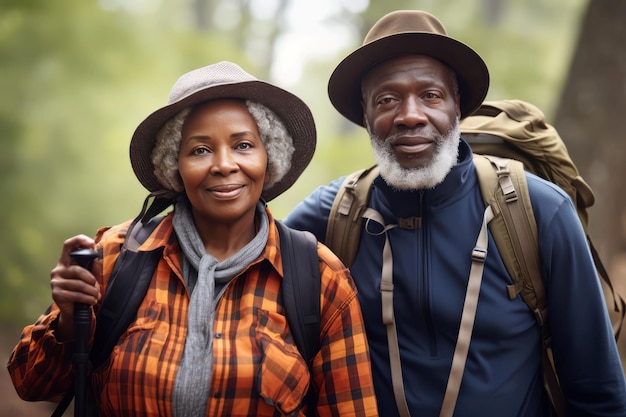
<point>77,76</point>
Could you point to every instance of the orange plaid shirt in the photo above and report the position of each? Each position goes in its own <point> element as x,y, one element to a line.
<point>257,369</point>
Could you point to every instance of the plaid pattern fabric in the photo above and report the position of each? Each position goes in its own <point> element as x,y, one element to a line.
<point>257,370</point>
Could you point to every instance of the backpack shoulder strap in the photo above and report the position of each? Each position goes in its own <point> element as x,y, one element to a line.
<point>301,294</point>
<point>514,229</point>
<point>344,221</point>
<point>301,288</point>
<point>127,287</point>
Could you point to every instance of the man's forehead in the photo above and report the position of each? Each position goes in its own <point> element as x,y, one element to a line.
<point>407,64</point>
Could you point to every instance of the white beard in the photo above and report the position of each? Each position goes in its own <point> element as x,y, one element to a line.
<point>428,176</point>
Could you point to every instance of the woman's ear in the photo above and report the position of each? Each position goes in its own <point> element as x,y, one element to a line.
<point>180,187</point>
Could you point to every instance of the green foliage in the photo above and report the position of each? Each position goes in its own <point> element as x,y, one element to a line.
<point>76,81</point>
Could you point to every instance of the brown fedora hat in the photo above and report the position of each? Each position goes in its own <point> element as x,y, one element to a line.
<point>400,33</point>
<point>227,80</point>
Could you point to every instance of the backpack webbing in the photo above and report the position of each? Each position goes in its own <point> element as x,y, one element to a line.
<point>515,129</point>
<point>503,187</point>
<point>514,228</point>
<point>133,272</point>
<point>344,221</point>
<point>514,231</point>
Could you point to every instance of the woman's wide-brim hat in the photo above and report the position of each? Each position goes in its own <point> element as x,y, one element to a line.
<point>227,80</point>
<point>407,32</point>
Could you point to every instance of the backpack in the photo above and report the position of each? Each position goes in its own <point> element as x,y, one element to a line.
<point>133,272</point>
<point>507,138</point>
<point>517,131</point>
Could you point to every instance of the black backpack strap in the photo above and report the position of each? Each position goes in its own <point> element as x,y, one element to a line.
<point>129,282</point>
<point>301,293</point>
<point>127,287</point>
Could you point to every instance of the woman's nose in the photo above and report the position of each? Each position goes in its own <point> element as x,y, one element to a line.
<point>223,161</point>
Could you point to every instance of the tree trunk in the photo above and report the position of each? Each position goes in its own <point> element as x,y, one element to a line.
<point>591,118</point>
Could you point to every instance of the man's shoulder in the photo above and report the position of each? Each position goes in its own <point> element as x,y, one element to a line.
<point>321,197</point>
<point>312,213</point>
<point>550,202</point>
<point>543,191</point>
<point>333,186</point>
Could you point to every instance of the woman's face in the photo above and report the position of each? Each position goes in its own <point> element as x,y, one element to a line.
<point>222,162</point>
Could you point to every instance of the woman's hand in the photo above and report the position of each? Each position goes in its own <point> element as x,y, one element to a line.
<point>72,284</point>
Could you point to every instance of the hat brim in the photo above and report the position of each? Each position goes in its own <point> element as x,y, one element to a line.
<point>344,86</point>
<point>292,111</point>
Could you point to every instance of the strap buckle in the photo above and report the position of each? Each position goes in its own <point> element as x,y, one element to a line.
<point>479,254</point>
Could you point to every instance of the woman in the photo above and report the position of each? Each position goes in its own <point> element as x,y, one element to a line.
<point>210,337</point>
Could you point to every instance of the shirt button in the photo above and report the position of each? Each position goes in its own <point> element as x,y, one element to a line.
<point>218,335</point>
<point>217,394</point>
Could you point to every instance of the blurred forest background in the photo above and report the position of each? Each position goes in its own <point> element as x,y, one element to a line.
<point>77,76</point>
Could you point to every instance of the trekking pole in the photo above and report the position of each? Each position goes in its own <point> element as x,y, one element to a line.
<point>82,330</point>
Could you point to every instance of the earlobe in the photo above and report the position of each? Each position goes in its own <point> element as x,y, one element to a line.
<point>267,174</point>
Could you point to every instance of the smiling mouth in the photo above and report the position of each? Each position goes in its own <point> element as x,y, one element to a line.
<point>226,191</point>
<point>413,147</point>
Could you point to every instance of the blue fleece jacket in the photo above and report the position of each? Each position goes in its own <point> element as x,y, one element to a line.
<point>430,272</point>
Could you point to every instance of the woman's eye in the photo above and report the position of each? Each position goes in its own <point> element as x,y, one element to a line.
<point>244,146</point>
<point>200,151</point>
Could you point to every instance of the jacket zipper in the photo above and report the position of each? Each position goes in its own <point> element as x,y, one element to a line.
<point>424,287</point>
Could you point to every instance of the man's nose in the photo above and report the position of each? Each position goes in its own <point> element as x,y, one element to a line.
<point>411,112</point>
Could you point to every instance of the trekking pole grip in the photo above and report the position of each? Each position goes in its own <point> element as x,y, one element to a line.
<point>82,331</point>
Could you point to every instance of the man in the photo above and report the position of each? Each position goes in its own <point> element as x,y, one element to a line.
<point>409,85</point>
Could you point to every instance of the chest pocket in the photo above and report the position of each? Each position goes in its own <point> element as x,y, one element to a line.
<point>282,377</point>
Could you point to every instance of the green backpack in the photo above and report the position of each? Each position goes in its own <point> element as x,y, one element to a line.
<point>507,137</point>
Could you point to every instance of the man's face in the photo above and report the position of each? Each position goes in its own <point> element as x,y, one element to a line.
<point>411,111</point>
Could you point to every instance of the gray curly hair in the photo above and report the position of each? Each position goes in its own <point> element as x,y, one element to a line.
<point>277,141</point>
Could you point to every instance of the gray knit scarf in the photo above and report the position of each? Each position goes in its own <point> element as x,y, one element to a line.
<point>192,385</point>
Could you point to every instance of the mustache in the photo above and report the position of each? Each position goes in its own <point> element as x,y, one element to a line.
<point>415,131</point>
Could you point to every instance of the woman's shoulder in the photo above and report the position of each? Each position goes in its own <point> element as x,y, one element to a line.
<point>115,233</point>
<point>329,258</point>
<point>335,277</point>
